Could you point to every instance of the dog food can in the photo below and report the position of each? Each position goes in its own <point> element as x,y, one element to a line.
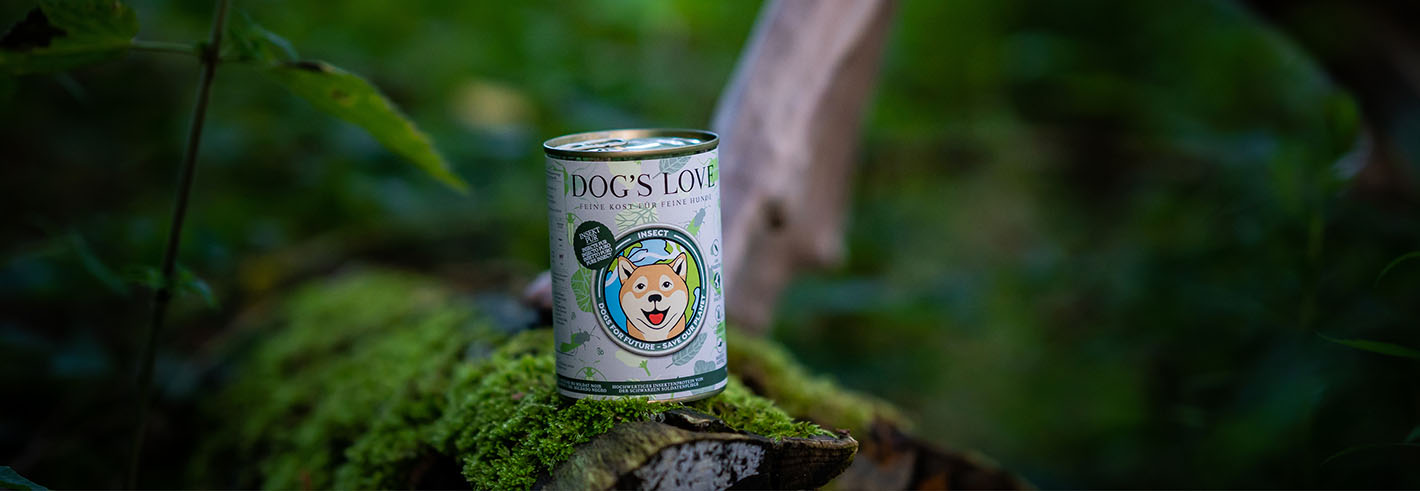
<point>638,304</point>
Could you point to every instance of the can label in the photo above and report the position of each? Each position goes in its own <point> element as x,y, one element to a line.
<point>638,304</point>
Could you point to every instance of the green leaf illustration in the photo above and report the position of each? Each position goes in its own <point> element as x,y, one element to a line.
<point>634,216</point>
<point>688,353</point>
<point>623,166</point>
<point>582,288</point>
<point>674,164</point>
<point>703,366</point>
<point>714,170</point>
<point>643,367</point>
<point>351,98</point>
<point>63,34</point>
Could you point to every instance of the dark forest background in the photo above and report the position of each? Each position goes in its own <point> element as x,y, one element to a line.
<point>1104,243</point>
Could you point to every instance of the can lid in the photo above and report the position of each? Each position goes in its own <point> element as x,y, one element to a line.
<point>631,144</point>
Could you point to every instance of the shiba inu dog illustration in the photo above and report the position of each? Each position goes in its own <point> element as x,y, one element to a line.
<point>654,298</point>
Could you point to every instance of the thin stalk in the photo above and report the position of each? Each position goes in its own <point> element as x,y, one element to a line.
<point>164,294</point>
<point>165,47</point>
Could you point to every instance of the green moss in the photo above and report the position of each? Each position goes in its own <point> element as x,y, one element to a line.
<point>778,376</point>
<point>363,379</point>
<point>740,408</point>
<point>340,389</point>
<point>509,425</point>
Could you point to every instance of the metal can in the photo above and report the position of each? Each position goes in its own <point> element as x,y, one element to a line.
<point>638,304</point>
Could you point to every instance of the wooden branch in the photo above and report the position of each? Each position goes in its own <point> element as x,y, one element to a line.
<point>688,450</point>
<point>789,124</point>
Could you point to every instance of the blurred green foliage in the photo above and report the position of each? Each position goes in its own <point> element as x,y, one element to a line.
<point>1095,240</point>
<point>59,35</point>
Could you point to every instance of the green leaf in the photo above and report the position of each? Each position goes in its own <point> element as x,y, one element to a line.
<point>9,479</point>
<point>248,42</point>
<point>703,366</point>
<point>1381,347</point>
<point>688,353</point>
<point>349,97</point>
<point>1398,260</point>
<point>63,34</point>
<point>185,282</point>
<point>673,164</point>
<point>582,288</point>
<point>145,276</point>
<point>635,215</point>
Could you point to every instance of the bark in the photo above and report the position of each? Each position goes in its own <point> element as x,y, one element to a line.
<point>789,124</point>
<point>892,459</point>
<point>688,450</point>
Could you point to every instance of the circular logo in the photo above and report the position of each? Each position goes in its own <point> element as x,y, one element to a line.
<point>651,297</point>
<point>592,243</point>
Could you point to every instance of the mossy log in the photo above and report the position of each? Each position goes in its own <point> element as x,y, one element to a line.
<point>385,380</point>
<point>685,449</point>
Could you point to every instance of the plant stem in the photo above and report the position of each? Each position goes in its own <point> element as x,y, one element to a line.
<point>163,294</point>
<point>164,47</point>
